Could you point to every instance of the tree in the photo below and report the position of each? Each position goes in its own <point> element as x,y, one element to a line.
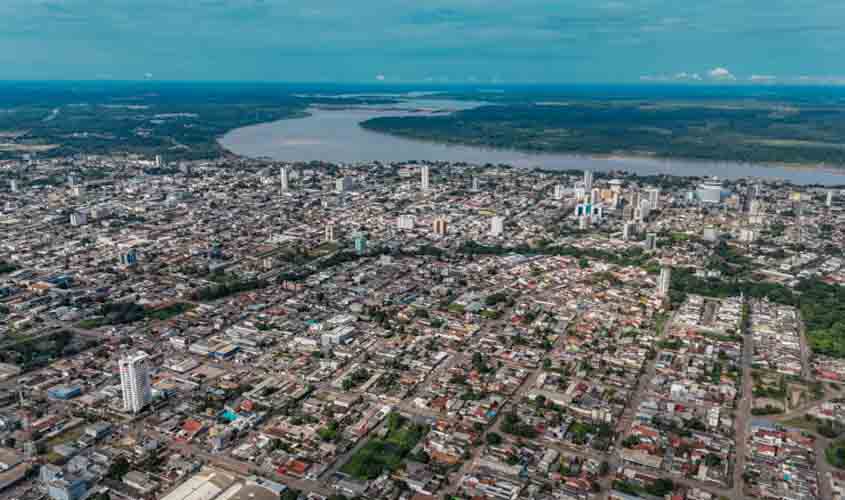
<point>493,439</point>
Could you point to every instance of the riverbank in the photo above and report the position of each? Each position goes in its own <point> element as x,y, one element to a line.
<point>335,135</point>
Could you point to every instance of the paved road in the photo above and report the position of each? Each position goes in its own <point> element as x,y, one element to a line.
<point>743,412</point>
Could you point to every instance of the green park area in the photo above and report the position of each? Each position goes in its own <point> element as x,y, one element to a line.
<point>386,453</point>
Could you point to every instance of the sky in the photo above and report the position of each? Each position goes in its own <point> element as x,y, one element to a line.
<point>484,41</point>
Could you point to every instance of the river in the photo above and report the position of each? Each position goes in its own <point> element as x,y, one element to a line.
<point>333,135</point>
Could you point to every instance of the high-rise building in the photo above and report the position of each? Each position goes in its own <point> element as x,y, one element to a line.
<point>78,219</point>
<point>284,176</point>
<point>559,190</point>
<point>475,183</point>
<point>360,244</point>
<point>650,242</point>
<point>588,180</point>
<point>664,282</point>
<point>645,210</point>
<point>654,198</point>
<point>628,230</point>
<point>158,161</point>
<point>329,233</point>
<point>497,225</point>
<point>440,226</point>
<point>135,381</point>
<point>14,186</point>
<point>595,196</point>
<point>829,201</point>
<point>425,178</point>
<point>406,221</point>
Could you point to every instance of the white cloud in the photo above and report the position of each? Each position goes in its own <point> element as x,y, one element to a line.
<point>683,75</point>
<point>720,74</point>
<point>148,75</point>
<point>380,78</point>
<point>762,78</point>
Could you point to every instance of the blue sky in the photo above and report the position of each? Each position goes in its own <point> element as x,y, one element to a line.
<point>514,41</point>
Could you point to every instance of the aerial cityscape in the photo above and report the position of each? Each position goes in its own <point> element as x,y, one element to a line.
<point>240,328</point>
<point>440,250</point>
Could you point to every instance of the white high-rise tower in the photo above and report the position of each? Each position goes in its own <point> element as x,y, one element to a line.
<point>588,180</point>
<point>284,174</point>
<point>425,177</point>
<point>665,282</point>
<point>135,382</point>
<point>497,225</point>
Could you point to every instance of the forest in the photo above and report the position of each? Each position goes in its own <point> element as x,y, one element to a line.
<point>741,132</point>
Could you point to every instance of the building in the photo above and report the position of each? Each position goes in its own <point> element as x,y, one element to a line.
<point>644,210</point>
<point>360,244</point>
<point>651,242</point>
<point>158,161</point>
<point>710,191</point>
<point>440,226</point>
<point>129,258</point>
<point>329,233</point>
<point>425,178</point>
<point>595,196</point>
<point>654,198</point>
<point>497,226</point>
<point>406,222</point>
<point>664,282</point>
<point>588,180</point>
<point>628,230</point>
<point>583,222</point>
<point>78,219</point>
<point>14,186</point>
<point>559,191</point>
<point>343,184</point>
<point>135,382</point>
<point>284,176</point>
<point>829,201</point>
<point>475,183</point>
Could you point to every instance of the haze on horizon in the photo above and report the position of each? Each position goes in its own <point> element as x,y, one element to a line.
<point>520,41</point>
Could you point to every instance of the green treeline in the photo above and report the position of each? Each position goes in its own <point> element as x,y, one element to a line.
<point>751,132</point>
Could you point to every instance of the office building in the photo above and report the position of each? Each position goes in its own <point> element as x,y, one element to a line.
<point>406,222</point>
<point>329,233</point>
<point>497,226</point>
<point>284,176</point>
<point>475,183</point>
<point>588,180</point>
<point>664,282</point>
<point>651,242</point>
<point>14,186</point>
<point>595,196</point>
<point>425,178</point>
<point>158,161</point>
<point>559,191</point>
<point>135,382</point>
<point>829,201</point>
<point>78,219</point>
<point>440,226</point>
